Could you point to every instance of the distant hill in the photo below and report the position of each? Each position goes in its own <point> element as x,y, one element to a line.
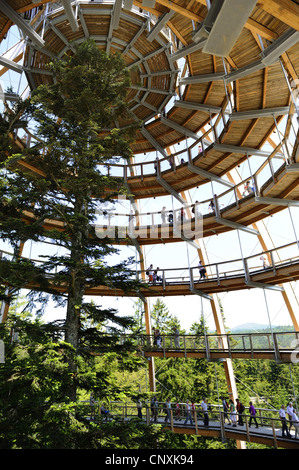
<point>251,327</point>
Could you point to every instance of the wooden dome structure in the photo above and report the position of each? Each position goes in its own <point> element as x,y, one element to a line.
<point>211,82</point>
<point>179,82</point>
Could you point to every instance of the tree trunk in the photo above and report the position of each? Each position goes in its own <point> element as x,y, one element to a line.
<point>75,298</point>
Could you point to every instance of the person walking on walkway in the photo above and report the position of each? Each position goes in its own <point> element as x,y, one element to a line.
<point>176,337</point>
<point>204,406</point>
<point>188,413</point>
<point>158,338</point>
<point>233,415</point>
<point>202,270</point>
<point>240,409</point>
<point>295,422</point>
<point>252,413</point>
<point>225,410</point>
<point>167,409</point>
<point>283,419</point>
<point>290,411</point>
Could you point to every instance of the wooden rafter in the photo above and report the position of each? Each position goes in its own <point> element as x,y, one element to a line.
<point>286,11</point>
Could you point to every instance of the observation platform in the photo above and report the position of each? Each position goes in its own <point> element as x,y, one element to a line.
<point>237,128</point>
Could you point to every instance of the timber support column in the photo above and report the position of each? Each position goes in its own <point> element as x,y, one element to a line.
<point>148,329</point>
<point>151,360</point>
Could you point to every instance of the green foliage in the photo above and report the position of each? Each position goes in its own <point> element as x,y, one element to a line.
<point>162,319</point>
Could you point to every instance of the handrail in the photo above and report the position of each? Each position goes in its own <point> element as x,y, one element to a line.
<point>184,277</point>
<point>223,343</point>
<point>227,197</point>
<point>268,424</point>
<point>226,274</point>
<point>170,160</point>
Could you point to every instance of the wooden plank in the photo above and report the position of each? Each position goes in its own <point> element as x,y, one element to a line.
<point>285,10</point>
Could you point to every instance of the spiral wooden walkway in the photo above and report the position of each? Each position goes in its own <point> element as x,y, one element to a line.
<point>268,433</point>
<point>282,347</point>
<point>219,278</point>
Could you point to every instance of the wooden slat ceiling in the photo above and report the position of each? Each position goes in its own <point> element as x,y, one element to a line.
<point>263,88</point>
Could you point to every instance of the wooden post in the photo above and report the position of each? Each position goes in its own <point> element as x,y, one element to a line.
<point>247,429</point>
<point>274,434</point>
<point>195,420</point>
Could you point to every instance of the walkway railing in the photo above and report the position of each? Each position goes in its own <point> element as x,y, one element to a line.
<point>266,173</point>
<point>182,157</point>
<point>268,421</point>
<point>284,256</point>
<point>278,344</point>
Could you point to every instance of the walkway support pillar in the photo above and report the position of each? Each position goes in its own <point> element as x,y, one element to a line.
<point>220,328</point>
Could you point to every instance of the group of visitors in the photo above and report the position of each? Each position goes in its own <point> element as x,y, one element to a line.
<point>202,270</point>
<point>293,420</point>
<point>181,216</point>
<point>248,189</point>
<point>231,412</point>
<point>166,215</point>
<point>158,338</point>
<point>153,276</point>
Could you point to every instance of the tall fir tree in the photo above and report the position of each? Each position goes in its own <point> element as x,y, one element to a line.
<point>59,177</point>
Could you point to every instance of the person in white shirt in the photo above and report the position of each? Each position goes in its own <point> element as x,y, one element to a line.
<point>295,422</point>
<point>283,419</point>
<point>204,406</point>
<point>188,413</point>
<point>290,411</point>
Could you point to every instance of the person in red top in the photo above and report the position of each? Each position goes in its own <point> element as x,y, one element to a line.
<point>193,409</point>
<point>178,411</point>
<point>240,409</point>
